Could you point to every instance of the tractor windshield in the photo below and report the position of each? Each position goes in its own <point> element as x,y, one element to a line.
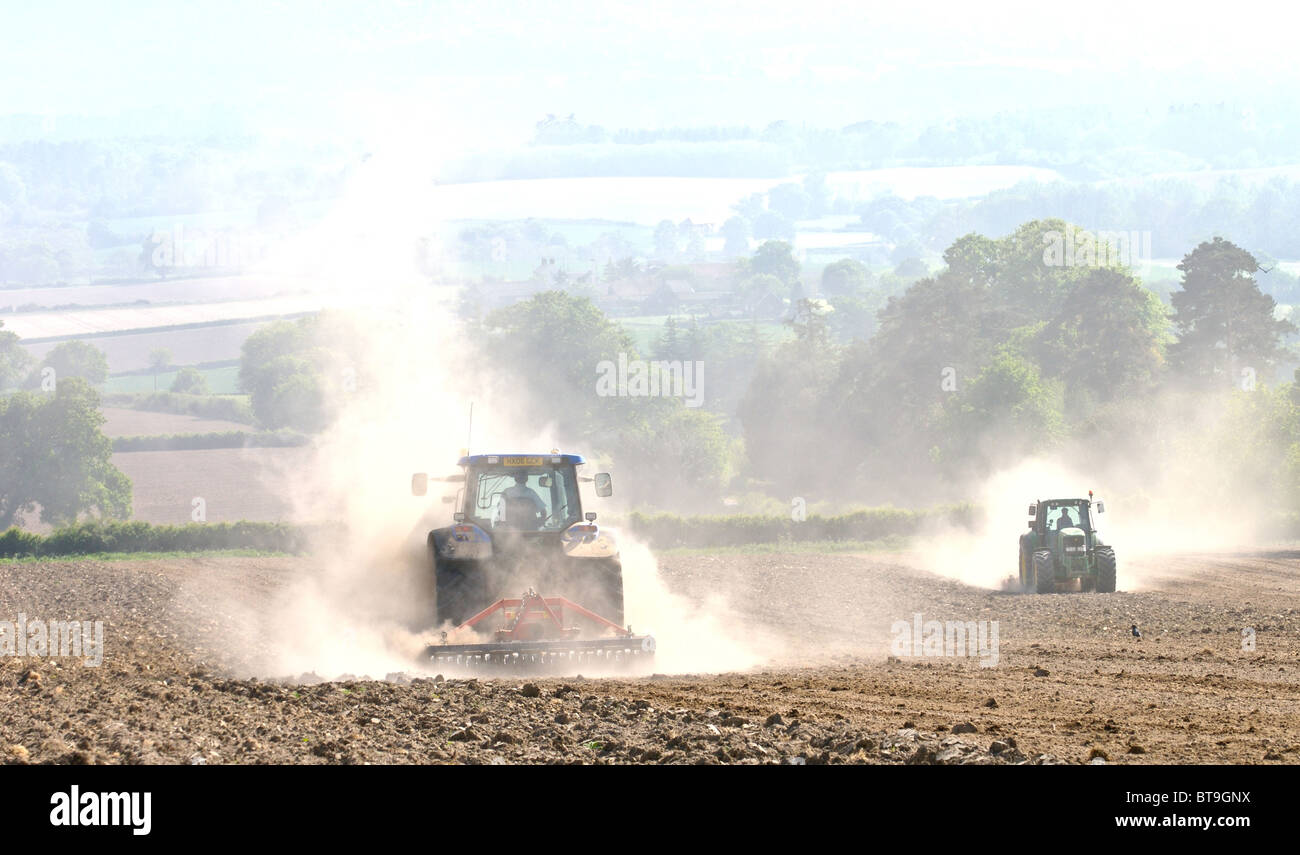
<point>518,498</point>
<point>1068,515</point>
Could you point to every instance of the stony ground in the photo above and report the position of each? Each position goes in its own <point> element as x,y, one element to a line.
<point>1070,683</point>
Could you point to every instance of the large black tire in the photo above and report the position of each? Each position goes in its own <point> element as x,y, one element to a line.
<point>459,590</point>
<point>1044,572</point>
<point>1106,570</point>
<point>596,584</point>
<point>1024,568</point>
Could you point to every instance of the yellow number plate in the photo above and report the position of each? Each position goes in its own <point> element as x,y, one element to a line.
<point>523,461</point>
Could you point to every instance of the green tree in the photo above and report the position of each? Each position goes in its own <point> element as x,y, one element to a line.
<point>679,460</point>
<point>189,381</point>
<point>846,277</point>
<point>770,225</point>
<point>294,371</point>
<point>789,200</point>
<point>159,360</point>
<point>1106,342</point>
<point>776,258</point>
<point>1009,400</point>
<point>783,413</point>
<point>566,354</point>
<point>754,290</point>
<point>665,237</point>
<point>57,458</point>
<point>573,337</point>
<point>895,394</point>
<point>669,345</point>
<point>736,234</point>
<point>819,195</point>
<point>14,359</point>
<point>76,359</point>
<point>1225,324</point>
<point>854,317</point>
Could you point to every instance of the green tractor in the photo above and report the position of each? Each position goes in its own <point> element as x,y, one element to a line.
<point>1062,549</point>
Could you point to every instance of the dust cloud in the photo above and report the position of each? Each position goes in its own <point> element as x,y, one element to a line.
<point>1180,482</point>
<point>406,376</point>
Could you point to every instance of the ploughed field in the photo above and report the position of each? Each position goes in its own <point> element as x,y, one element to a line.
<point>835,680</point>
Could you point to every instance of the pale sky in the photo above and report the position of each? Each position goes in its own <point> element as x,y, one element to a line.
<point>501,66</point>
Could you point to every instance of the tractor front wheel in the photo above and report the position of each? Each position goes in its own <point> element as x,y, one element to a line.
<point>1044,572</point>
<point>1106,570</point>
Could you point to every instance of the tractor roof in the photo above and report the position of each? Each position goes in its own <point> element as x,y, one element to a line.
<point>533,459</point>
<point>1072,500</point>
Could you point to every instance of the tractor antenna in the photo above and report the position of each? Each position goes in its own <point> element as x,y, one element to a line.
<point>469,434</point>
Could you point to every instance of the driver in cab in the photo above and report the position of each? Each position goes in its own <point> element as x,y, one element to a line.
<point>523,508</point>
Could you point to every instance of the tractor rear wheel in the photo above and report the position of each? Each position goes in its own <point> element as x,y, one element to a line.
<point>1044,572</point>
<point>1106,570</point>
<point>459,590</point>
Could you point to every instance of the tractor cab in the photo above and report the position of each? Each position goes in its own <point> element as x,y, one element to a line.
<point>1054,515</point>
<point>519,526</point>
<point>524,493</point>
<point>1064,548</point>
<point>517,499</point>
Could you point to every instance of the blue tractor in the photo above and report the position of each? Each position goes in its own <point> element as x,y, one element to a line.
<point>523,560</point>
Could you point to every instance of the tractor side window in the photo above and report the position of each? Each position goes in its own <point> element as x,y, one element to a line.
<point>562,499</point>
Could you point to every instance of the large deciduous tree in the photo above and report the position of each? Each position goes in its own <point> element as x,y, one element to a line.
<point>14,359</point>
<point>55,457</point>
<point>76,359</point>
<point>1225,324</point>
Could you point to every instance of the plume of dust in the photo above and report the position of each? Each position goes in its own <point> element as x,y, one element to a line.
<point>692,637</point>
<point>398,407</point>
<point>1165,491</point>
<point>359,609</point>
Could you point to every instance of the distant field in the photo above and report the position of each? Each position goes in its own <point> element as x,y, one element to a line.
<point>942,182</point>
<point>130,352</point>
<point>80,322</point>
<point>124,422</point>
<point>235,483</point>
<point>646,330</point>
<point>221,381</point>
<point>202,289</point>
<point>704,200</point>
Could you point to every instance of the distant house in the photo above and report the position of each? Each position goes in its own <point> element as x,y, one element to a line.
<point>713,275</point>
<point>625,296</point>
<point>631,289</point>
<point>669,297</point>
